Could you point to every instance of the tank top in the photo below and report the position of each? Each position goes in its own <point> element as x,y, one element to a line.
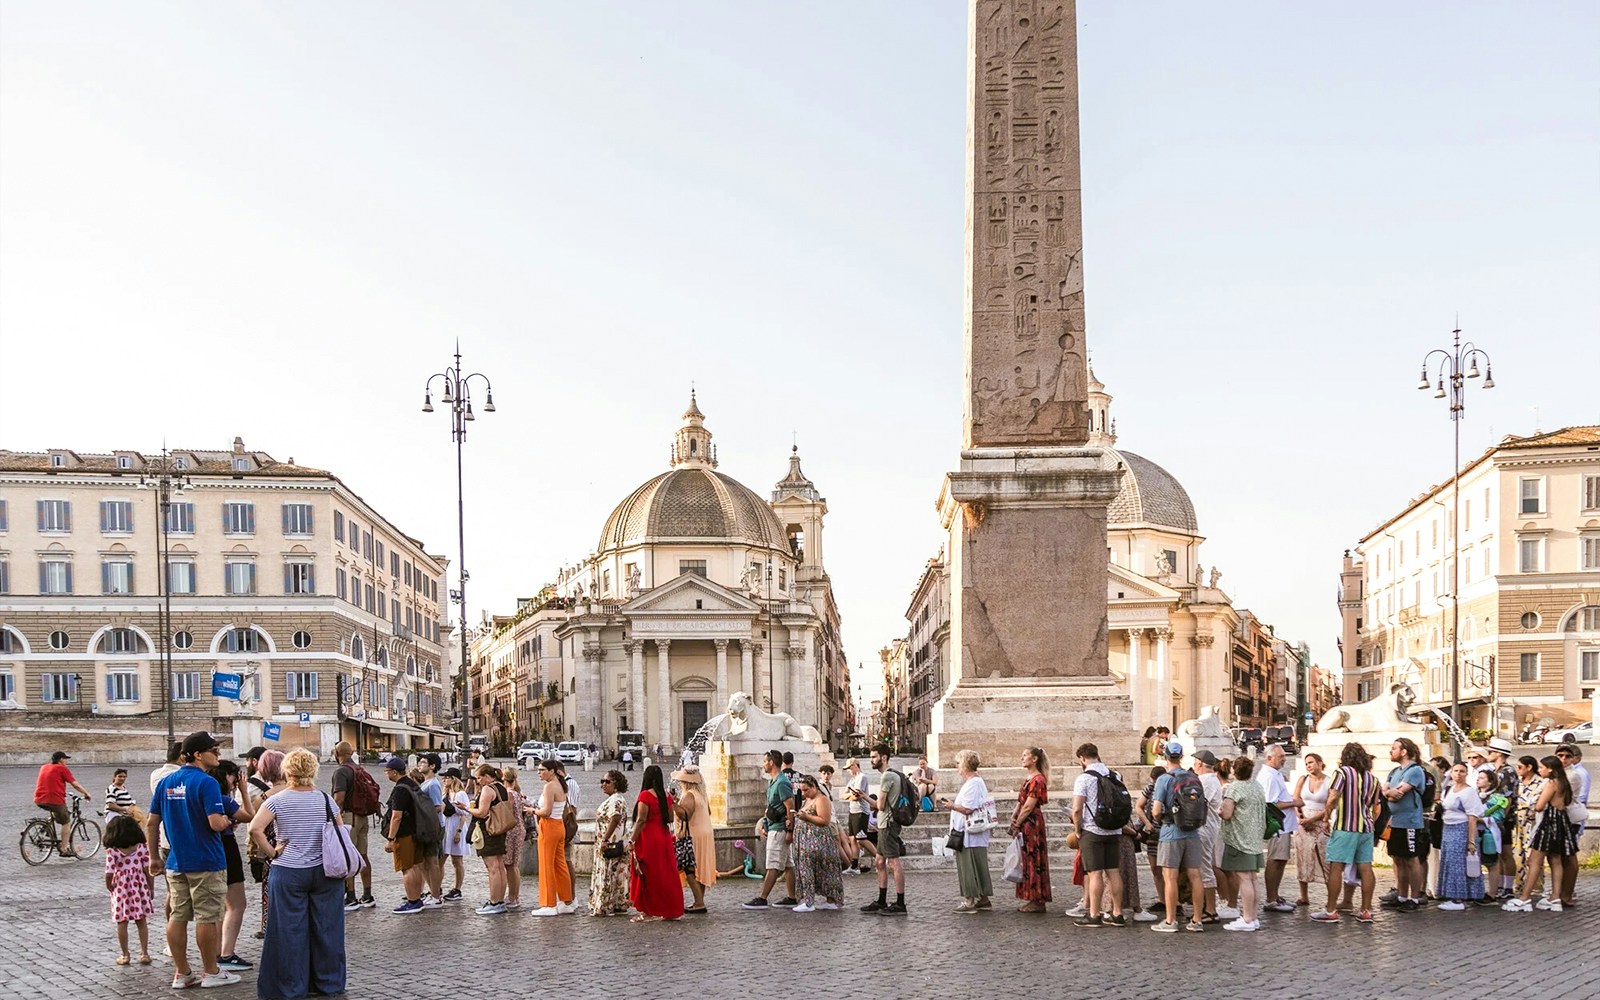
<point>558,809</point>
<point>1316,803</point>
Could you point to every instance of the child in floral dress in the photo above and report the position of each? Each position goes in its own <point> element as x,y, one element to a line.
<point>130,883</point>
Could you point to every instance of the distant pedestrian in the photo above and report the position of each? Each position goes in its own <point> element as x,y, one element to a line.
<point>627,760</point>
<point>455,817</point>
<point>130,883</point>
<point>119,800</point>
<point>50,794</point>
<point>1178,803</point>
<point>1571,757</point>
<point>515,838</point>
<point>1280,846</point>
<point>654,889</point>
<point>491,847</point>
<point>1311,839</point>
<point>406,802</point>
<point>1028,823</point>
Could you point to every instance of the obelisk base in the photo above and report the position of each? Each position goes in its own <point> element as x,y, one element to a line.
<point>1000,717</point>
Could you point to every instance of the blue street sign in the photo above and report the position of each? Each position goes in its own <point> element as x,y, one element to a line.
<point>225,685</point>
<point>305,720</point>
<point>270,731</point>
<point>1308,716</point>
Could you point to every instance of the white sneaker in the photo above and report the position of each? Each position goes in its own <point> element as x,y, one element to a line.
<point>490,909</point>
<point>545,911</point>
<point>1515,905</point>
<point>565,908</point>
<point>431,901</point>
<point>827,906</point>
<point>1452,905</point>
<point>1145,917</point>
<point>219,978</point>
<point>184,982</point>
<point>1242,924</point>
<point>1226,912</point>
<point>1077,911</point>
<point>1554,906</point>
<point>803,908</point>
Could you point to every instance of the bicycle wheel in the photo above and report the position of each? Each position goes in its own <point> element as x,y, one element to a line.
<point>38,842</point>
<point>84,840</point>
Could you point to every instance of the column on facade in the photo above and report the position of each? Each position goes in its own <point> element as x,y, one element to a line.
<point>1163,702</point>
<point>1136,673</point>
<point>1201,659</point>
<point>779,664</point>
<point>663,693</point>
<point>747,673</point>
<point>722,677</point>
<point>795,686</point>
<point>636,688</point>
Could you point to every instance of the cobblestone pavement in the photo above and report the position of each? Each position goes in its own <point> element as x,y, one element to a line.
<point>60,943</point>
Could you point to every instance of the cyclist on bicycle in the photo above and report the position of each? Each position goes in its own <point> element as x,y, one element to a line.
<point>50,794</point>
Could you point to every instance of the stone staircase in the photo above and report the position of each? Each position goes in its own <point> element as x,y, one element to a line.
<point>919,837</point>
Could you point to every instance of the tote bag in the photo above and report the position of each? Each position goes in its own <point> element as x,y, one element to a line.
<point>340,859</point>
<point>1013,869</point>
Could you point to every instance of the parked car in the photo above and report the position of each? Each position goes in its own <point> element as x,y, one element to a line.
<point>532,752</point>
<point>570,752</point>
<point>1283,736</point>
<point>1583,732</point>
<point>1250,736</point>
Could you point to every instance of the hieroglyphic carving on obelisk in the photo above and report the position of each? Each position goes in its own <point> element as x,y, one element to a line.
<point>1027,374</point>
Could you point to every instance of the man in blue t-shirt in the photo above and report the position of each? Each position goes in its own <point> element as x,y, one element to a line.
<point>187,807</point>
<point>1406,823</point>
<point>1177,850</point>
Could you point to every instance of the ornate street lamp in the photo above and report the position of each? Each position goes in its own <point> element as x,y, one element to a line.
<point>1454,367</point>
<point>164,476</point>
<point>457,395</point>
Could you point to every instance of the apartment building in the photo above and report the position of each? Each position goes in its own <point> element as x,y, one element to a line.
<point>277,574</point>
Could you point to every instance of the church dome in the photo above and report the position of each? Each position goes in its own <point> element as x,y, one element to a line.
<point>1150,495</point>
<point>693,502</point>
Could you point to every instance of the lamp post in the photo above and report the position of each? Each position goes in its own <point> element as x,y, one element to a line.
<point>1454,367</point>
<point>458,396</point>
<point>167,480</point>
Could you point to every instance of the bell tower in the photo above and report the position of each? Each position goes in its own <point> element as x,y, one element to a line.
<point>693,446</point>
<point>800,508</point>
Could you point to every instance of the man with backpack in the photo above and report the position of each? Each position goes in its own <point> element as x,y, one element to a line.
<point>412,830</point>
<point>1407,823</point>
<point>1179,805</point>
<point>433,856</point>
<point>1101,810</point>
<point>357,796</point>
<point>896,807</point>
<point>776,830</point>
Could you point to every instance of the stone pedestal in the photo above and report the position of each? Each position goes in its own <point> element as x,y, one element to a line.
<point>736,788</point>
<point>1330,745</point>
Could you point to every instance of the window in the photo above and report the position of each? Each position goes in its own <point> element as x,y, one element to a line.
<point>1589,669</point>
<point>299,578</point>
<point>8,687</point>
<point>122,686</point>
<point>394,564</point>
<point>1483,561</point>
<point>1589,557</point>
<point>297,519</point>
<point>55,515</point>
<point>182,640</point>
<point>124,462</point>
<point>59,640</point>
<point>180,518</point>
<point>1530,493</point>
<point>55,576</point>
<point>9,643</point>
<point>1588,619</point>
<point>338,525</point>
<point>383,658</point>
<point>242,640</point>
<point>394,613</point>
<point>239,577</point>
<point>300,685</point>
<point>377,547</point>
<point>241,465</point>
<point>181,577</point>
<point>409,623</point>
<point>1466,513</point>
<point>58,687</point>
<point>58,461</point>
<point>302,639</point>
<point>383,604</point>
<point>695,566</point>
<point>358,650</point>
<point>1591,498</point>
<point>120,640</point>
<point>116,576</point>
<point>341,584</point>
<point>369,604</point>
<point>180,463</point>
<point>1529,551</point>
<point>116,516</point>
<point>783,579</point>
<point>5,576</point>
<point>355,535</point>
<point>238,518</point>
<point>1530,666</point>
<point>408,575</point>
<point>3,522</point>
<point>366,545</point>
<point>186,685</point>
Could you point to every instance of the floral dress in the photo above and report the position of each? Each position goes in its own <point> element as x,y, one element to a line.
<point>818,870</point>
<point>608,883</point>
<point>131,898</point>
<point>1035,884</point>
<point>1527,818</point>
<point>518,833</point>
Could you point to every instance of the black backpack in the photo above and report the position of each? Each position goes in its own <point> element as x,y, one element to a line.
<point>1114,806</point>
<point>1187,800</point>
<point>428,829</point>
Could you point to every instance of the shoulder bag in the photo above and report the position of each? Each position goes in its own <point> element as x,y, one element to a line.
<point>502,815</point>
<point>340,859</point>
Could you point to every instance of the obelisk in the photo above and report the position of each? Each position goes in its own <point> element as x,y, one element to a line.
<point>1026,509</point>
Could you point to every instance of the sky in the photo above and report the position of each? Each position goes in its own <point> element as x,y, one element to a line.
<point>275,220</point>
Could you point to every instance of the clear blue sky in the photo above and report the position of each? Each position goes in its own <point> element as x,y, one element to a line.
<point>273,219</point>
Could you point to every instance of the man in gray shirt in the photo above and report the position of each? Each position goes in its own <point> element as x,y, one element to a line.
<point>890,847</point>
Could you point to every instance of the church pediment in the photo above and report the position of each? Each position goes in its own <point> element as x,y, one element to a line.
<point>1122,584</point>
<point>690,592</point>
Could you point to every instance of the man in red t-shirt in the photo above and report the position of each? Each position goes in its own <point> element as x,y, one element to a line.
<point>50,793</point>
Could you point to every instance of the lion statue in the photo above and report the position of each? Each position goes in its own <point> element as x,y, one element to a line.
<point>1383,714</point>
<point>1209,724</point>
<point>746,719</point>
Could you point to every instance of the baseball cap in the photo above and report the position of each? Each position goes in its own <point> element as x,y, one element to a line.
<point>254,753</point>
<point>1206,757</point>
<point>453,772</point>
<point>433,759</point>
<point>59,756</point>
<point>396,764</point>
<point>199,743</point>
<point>1174,750</point>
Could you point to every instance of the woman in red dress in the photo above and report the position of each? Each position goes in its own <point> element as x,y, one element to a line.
<point>1028,820</point>
<point>654,888</point>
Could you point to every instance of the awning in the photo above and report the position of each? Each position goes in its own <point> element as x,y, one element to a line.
<point>388,726</point>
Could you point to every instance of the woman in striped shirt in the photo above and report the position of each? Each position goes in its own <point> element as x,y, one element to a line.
<point>1352,796</point>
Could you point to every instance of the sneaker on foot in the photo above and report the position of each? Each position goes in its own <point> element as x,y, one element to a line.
<point>1242,925</point>
<point>351,905</point>
<point>429,902</point>
<point>872,907</point>
<point>1279,906</point>
<point>183,982</point>
<point>568,907</point>
<point>1165,927</point>
<point>1325,917</point>
<point>1145,917</point>
<point>899,910</point>
<point>367,902</point>
<point>234,962</point>
<point>827,906</point>
<point>756,904</point>
<point>1365,916</point>
<point>1194,927</point>
<point>1452,905</point>
<point>1227,912</point>
<point>486,910</point>
<point>787,902</point>
<point>545,911</point>
<point>218,978</point>
<point>1077,911</point>
<point>409,906</point>
<point>803,908</point>
<point>1089,922</point>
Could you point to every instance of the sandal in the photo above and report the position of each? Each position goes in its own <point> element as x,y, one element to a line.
<point>694,909</point>
<point>642,918</point>
<point>122,960</point>
<point>145,960</point>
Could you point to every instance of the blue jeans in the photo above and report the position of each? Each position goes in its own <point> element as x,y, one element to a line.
<point>304,947</point>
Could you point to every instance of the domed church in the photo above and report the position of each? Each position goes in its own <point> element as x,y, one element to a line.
<point>699,587</point>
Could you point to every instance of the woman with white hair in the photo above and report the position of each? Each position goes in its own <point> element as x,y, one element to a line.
<point>304,950</point>
<point>972,814</point>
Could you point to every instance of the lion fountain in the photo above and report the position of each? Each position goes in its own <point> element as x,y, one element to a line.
<point>1375,724</point>
<point>735,745</point>
<point>1206,732</point>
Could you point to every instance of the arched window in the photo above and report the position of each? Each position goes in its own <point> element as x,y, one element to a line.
<point>11,641</point>
<point>121,641</point>
<point>1585,619</point>
<point>383,657</point>
<point>358,650</point>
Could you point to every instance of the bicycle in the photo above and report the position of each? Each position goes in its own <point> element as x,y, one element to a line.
<point>39,838</point>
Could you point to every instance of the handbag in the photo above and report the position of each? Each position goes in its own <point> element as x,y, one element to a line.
<point>502,815</point>
<point>1013,869</point>
<point>477,838</point>
<point>613,851</point>
<point>569,821</point>
<point>340,859</point>
<point>956,841</point>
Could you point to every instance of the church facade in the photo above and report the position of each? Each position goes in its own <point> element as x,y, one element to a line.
<point>697,588</point>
